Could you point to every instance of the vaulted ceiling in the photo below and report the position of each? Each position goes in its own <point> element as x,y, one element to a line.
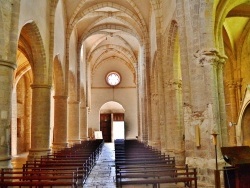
<point>109,29</point>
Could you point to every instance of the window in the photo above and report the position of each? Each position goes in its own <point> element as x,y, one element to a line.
<point>113,78</point>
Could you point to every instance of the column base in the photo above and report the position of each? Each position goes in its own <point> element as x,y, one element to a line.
<point>84,138</point>
<point>179,157</point>
<point>36,153</point>
<point>155,144</point>
<point>72,142</point>
<point>5,162</point>
<point>59,146</point>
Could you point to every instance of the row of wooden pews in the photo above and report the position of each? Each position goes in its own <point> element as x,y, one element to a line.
<point>68,167</point>
<point>138,164</point>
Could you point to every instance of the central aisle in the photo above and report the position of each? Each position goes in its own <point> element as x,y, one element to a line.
<point>103,173</point>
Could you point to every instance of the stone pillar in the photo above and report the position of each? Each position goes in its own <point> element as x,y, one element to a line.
<point>6,80</point>
<point>222,103</point>
<point>170,126</point>
<point>84,122</point>
<point>155,126</point>
<point>239,93</point>
<point>211,61</point>
<point>175,121</point>
<point>60,122</point>
<point>40,120</point>
<point>233,113</point>
<point>179,150</point>
<point>162,123</point>
<point>73,122</point>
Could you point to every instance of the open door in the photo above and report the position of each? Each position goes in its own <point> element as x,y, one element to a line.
<point>105,126</point>
<point>118,126</point>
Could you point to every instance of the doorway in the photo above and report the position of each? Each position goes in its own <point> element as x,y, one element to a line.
<point>118,130</point>
<point>112,126</point>
<point>105,127</point>
<point>112,121</point>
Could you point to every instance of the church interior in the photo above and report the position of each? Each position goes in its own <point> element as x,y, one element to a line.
<point>171,74</point>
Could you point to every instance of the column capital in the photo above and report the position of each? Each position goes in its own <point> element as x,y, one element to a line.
<point>84,107</point>
<point>153,95</point>
<point>60,97</point>
<point>33,86</point>
<point>174,84</point>
<point>73,102</point>
<point>8,64</point>
<point>209,56</point>
<point>231,84</point>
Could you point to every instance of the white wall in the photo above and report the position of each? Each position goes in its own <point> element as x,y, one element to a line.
<point>37,11</point>
<point>125,94</point>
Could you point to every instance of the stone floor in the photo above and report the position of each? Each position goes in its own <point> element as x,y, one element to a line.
<point>103,173</point>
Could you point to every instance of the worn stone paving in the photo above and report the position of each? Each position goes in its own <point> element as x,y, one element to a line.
<point>103,173</point>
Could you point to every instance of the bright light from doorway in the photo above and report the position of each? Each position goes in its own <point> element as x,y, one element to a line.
<point>118,130</point>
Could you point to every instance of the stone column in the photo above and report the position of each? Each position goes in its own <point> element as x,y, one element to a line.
<point>179,151</point>
<point>6,80</point>
<point>239,94</point>
<point>222,106</point>
<point>155,126</point>
<point>211,61</point>
<point>73,122</point>
<point>84,123</point>
<point>170,126</point>
<point>40,120</point>
<point>60,122</point>
<point>175,121</point>
<point>233,113</point>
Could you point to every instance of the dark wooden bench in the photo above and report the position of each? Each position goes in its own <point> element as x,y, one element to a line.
<point>14,177</point>
<point>83,169</point>
<point>137,163</point>
<point>68,167</point>
<point>130,176</point>
<point>88,160</point>
<point>188,181</point>
<point>81,174</point>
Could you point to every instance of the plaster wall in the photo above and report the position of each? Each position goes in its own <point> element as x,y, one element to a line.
<point>168,9</point>
<point>37,11</point>
<point>124,96</point>
<point>245,103</point>
<point>59,42</point>
<point>244,66</point>
<point>73,52</point>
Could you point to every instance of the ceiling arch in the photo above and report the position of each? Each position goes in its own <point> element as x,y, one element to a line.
<point>125,53</point>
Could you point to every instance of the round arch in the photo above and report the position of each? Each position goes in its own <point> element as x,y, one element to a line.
<point>245,126</point>
<point>112,121</point>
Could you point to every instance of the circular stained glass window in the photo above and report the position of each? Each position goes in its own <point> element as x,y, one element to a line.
<point>113,78</point>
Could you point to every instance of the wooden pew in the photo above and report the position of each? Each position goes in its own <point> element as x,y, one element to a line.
<point>137,163</point>
<point>67,168</point>
<point>14,177</point>
<point>155,175</point>
<point>82,172</point>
